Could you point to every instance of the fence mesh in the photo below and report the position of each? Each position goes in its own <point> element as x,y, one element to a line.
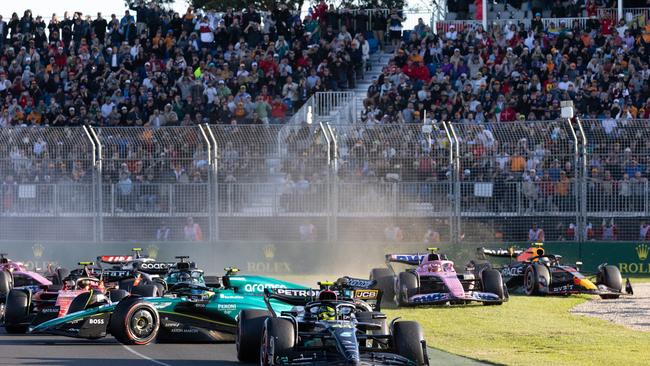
<point>446,182</point>
<point>153,180</point>
<point>46,177</point>
<point>516,175</point>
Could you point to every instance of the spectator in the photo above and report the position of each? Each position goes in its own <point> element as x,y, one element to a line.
<point>192,230</point>
<point>163,233</point>
<point>393,233</point>
<point>536,234</point>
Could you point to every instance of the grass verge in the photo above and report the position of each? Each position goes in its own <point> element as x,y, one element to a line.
<point>530,331</point>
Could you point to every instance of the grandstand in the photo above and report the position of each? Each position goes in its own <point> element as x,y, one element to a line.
<point>250,124</point>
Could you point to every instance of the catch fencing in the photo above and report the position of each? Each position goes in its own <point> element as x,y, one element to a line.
<point>327,182</point>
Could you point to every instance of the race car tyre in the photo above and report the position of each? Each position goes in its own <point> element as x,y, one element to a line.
<point>278,339</point>
<point>134,321</point>
<point>493,283</point>
<point>146,291</point>
<point>408,341</point>
<point>408,286</point>
<point>60,274</point>
<point>610,276</point>
<point>115,295</point>
<point>386,284</point>
<point>16,311</point>
<point>84,301</point>
<point>6,283</point>
<point>536,276</point>
<point>248,339</point>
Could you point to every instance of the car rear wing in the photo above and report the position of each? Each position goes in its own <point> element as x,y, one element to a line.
<point>413,259</point>
<point>482,252</point>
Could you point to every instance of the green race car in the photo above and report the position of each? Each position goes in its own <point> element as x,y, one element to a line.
<point>190,310</point>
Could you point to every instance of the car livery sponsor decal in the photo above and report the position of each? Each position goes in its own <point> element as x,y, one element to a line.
<point>298,293</point>
<point>154,265</point>
<point>355,282</point>
<point>512,271</point>
<point>425,298</point>
<point>407,257</point>
<point>484,296</point>
<point>366,294</point>
<point>234,297</point>
<point>259,287</point>
<point>116,258</point>
<point>227,307</point>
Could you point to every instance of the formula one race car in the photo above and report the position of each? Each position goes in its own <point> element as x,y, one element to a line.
<point>325,329</point>
<point>434,280</point>
<point>531,271</point>
<point>24,307</point>
<point>14,274</point>
<point>189,311</point>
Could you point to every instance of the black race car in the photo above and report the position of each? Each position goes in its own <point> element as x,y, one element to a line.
<point>531,271</point>
<point>325,329</point>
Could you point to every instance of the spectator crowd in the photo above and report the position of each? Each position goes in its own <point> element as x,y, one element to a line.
<point>154,67</point>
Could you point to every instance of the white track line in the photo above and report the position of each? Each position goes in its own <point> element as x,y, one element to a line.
<point>144,357</point>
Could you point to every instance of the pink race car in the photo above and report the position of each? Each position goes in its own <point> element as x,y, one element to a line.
<point>15,274</point>
<point>434,281</point>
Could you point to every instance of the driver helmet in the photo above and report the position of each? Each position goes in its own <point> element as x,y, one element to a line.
<point>545,260</point>
<point>184,277</point>
<point>326,312</point>
<point>85,283</point>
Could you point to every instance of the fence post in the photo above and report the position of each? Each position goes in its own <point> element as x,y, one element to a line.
<point>450,191</point>
<point>99,188</point>
<point>455,178</point>
<point>210,191</point>
<point>214,172</point>
<point>582,227</point>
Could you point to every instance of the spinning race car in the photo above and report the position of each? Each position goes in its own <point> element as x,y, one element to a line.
<point>190,311</point>
<point>433,280</point>
<point>325,329</point>
<point>534,272</point>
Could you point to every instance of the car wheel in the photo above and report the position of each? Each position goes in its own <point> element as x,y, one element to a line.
<point>386,284</point>
<point>135,321</point>
<point>278,339</point>
<point>250,324</point>
<point>537,279</point>
<point>408,286</point>
<point>408,341</point>
<point>493,283</point>
<point>6,283</point>
<point>16,311</point>
<point>610,276</point>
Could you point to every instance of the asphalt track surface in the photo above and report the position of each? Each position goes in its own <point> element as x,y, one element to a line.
<point>47,350</point>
